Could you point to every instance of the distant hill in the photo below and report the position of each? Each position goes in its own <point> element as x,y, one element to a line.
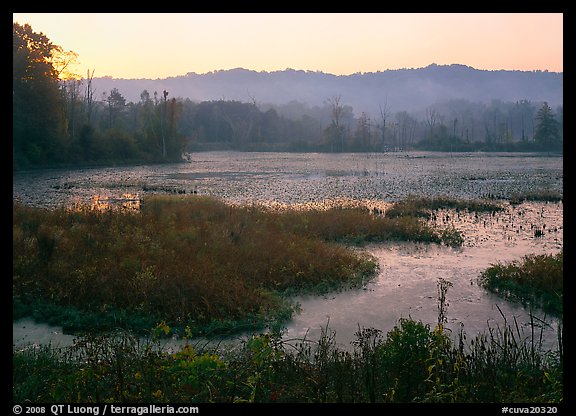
<point>411,90</point>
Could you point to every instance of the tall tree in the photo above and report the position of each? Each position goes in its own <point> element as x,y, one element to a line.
<point>547,133</point>
<point>407,126</point>
<point>89,95</point>
<point>38,124</point>
<point>384,112</point>
<point>432,117</point>
<point>174,146</point>
<point>116,104</point>
<point>163,123</point>
<point>71,102</point>
<point>363,133</point>
<point>336,130</point>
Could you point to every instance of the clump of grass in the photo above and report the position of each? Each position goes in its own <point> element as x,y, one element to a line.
<point>536,280</point>
<point>34,369</point>
<point>419,206</point>
<point>356,225</point>
<point>543,195</point>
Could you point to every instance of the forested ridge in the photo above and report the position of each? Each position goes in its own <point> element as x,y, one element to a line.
<point>407,89</point>
<point>62,119</point>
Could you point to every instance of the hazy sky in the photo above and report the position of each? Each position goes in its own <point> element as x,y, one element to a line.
<point>158,45</point>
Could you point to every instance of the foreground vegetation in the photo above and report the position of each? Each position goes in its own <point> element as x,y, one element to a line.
<point>191,261</point>
<point>412,363</point>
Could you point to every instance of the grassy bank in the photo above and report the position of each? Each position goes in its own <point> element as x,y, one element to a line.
<point>190,261</point>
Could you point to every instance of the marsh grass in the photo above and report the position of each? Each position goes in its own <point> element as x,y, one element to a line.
<point>420,206</point>
<point>195,260</point>
<point>544,195</point>
<point>356,225</point>
<point>535,280</point>
<point>190,260</point>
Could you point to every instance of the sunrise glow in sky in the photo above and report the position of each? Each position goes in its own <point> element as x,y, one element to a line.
<point>159,45</point>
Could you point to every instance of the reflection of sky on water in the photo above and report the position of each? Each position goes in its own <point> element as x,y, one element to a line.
<point>104,202</point>
<point>406,285</point>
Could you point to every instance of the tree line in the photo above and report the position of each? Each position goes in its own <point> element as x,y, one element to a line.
<point>59,119</point>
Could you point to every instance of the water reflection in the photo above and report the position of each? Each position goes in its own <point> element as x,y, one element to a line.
<point>373,206</point>
<point>101,203</point>
<point>406,285</point>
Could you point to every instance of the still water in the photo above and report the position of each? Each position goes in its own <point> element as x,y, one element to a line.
<point>406,285</point>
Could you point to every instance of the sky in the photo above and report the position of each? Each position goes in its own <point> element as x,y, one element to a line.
<point>160,45</point>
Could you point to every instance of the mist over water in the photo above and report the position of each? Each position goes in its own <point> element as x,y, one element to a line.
<point>406,285</point>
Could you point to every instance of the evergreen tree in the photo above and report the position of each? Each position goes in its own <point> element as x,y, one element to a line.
<point>547,133</point>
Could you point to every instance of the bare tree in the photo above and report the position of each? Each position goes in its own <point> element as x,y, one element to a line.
<point>384,113</point>
<point>431,119</point>
<point>363,132</point>
<point>337,111</point>
<point>253,99</point>
<point>70,91</point>
<point>163,122</point>
<point>253,112</point>
<point>406,125</point>
<point>89,95</point>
